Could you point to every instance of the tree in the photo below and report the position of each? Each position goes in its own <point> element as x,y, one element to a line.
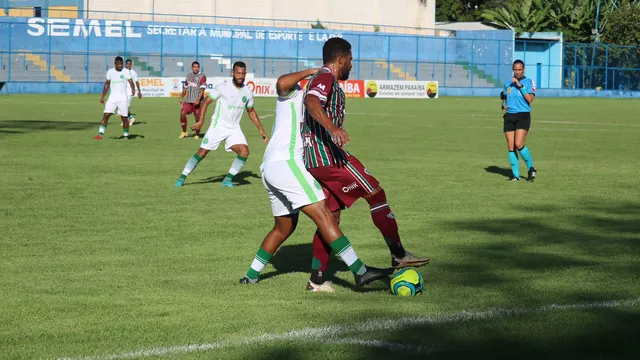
<point>623,28</point>
<point>318,25</point>
<point>465,10</point>
<point>524,16</point>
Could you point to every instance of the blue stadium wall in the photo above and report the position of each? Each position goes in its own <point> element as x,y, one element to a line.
<point>490,51</point>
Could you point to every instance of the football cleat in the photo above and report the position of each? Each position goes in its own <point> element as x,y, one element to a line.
<point>246,280</point>
<point>408,260</point>
<point>324,287</point>
<point>372,274</point>
<point>183,135</point>
<point>98,137</point>
<point>196,136</point>
<point>227,183</point>
<point>179,182</point>
<point>513,178</point>
<point>532,174</point>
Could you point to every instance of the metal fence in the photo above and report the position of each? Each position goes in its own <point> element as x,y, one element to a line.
<point>452,61</point>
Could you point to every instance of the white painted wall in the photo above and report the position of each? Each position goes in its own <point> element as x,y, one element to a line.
<point>406,13</point>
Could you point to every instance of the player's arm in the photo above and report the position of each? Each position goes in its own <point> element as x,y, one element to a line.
<point>529,91</point>
<point>314,101</point>
<point>253,115</point>
<point>287,83</point>
<point>133,87</point>
<point>184,91</point>
<point>203,87</point>
<point>105,90</point>
<point>204,105</point>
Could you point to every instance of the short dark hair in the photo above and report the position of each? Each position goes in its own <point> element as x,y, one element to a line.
<point>239,64</point>
<point>518,62</point>
<point>195,63</point>
<point>129,61</point>
<point>118,58</point>
<point>333,48</point>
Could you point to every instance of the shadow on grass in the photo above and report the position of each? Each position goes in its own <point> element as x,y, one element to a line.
<point>131,137</point>
<point>242,178</point>
<point>498,170</point>
<point>30,126</point>
<point>297,259</point>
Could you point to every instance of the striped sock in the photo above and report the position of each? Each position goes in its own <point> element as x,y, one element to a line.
<point>236,166</point>
<point>191,165</point>
<point>342,247</point>
<point>102,129</point>
<point>259,262</point>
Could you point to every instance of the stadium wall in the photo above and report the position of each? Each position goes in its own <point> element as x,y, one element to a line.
<point>409,13</point>
<point>486,51</point>
<point>96,88</point>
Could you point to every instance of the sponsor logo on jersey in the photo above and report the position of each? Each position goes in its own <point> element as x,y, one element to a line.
<point>244,99</point>
<point>349,187</point>
<point>205,140</point>
<point>391,216</point>
<point>317,184</point>
<point>121,76</point>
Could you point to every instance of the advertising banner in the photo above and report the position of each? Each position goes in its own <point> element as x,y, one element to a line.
<point>264,87</point>
<point>398,89</point>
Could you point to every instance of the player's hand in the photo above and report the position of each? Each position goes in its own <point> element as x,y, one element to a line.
<point>102,101</point>
<point>197,126</point>
<point>139,95</point>
<point>516,81</point>
<point>504,107</point>
<point>339,137</point>
<point>265,138</point>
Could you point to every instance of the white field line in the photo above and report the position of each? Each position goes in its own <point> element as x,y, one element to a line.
<point>335,334</point>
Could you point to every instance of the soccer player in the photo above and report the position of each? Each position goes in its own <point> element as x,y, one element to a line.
<point>232,98</point>
<point>343,178</point>
<point>117,80</point>
<point>134,77</point>
<point>292,189</point>
<point>517,97</point>
<point>192,94</point>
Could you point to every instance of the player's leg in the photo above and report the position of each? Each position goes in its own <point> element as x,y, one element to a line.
<point>196,114</point>
<point>321,253</point>
<point>283,228</point>
<point>125,127</point>
<point>109,109</point>
<point>130,115</point>
<point>210,142</point>
<point>522,129</point>
<point>340,244</point>
<point>191,165</point>
<point>237,143</point>
<point>184,111</point>
<point>510,135</point>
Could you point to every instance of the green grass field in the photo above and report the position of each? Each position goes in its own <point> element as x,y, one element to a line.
<point>102,258</point>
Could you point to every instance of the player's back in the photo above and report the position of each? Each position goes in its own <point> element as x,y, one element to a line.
<point>118,83</point>
<point>286,139</point>
<point>231,103</point>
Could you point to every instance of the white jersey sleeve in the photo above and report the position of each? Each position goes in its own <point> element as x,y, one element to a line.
<point>134,76</point>
<point>215,93</point>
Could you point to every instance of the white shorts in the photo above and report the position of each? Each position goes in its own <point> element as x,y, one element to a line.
<point>215,136</point>
<point>129,103</point>
<point>122,105</point>
<point>290,186</point>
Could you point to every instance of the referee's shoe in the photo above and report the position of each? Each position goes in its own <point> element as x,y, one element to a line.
<point>532,174</point>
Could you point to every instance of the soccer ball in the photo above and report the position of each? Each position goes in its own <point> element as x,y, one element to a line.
<point>407,282</point>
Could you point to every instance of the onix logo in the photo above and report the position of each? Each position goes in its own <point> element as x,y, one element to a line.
<point>350,187</point>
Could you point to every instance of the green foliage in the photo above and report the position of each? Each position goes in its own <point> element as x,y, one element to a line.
<point>623,28</point>
<point>461,10</point>
<point>526,16</point>
<point>318,25</point>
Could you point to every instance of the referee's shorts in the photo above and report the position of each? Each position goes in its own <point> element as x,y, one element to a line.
<point>517,121</point>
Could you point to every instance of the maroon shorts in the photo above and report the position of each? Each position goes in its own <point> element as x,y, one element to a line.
<point>188,108</point>
<point>344,184</point>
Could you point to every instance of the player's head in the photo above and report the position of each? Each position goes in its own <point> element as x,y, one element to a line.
<point>337,51</point>
<point>518,69</point>
<point>239,73</point>
<point>195,67</point>
<point>128,64</point>
<point>119,63</point>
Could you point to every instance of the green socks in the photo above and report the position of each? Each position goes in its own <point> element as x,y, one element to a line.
<point>259,262</point>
